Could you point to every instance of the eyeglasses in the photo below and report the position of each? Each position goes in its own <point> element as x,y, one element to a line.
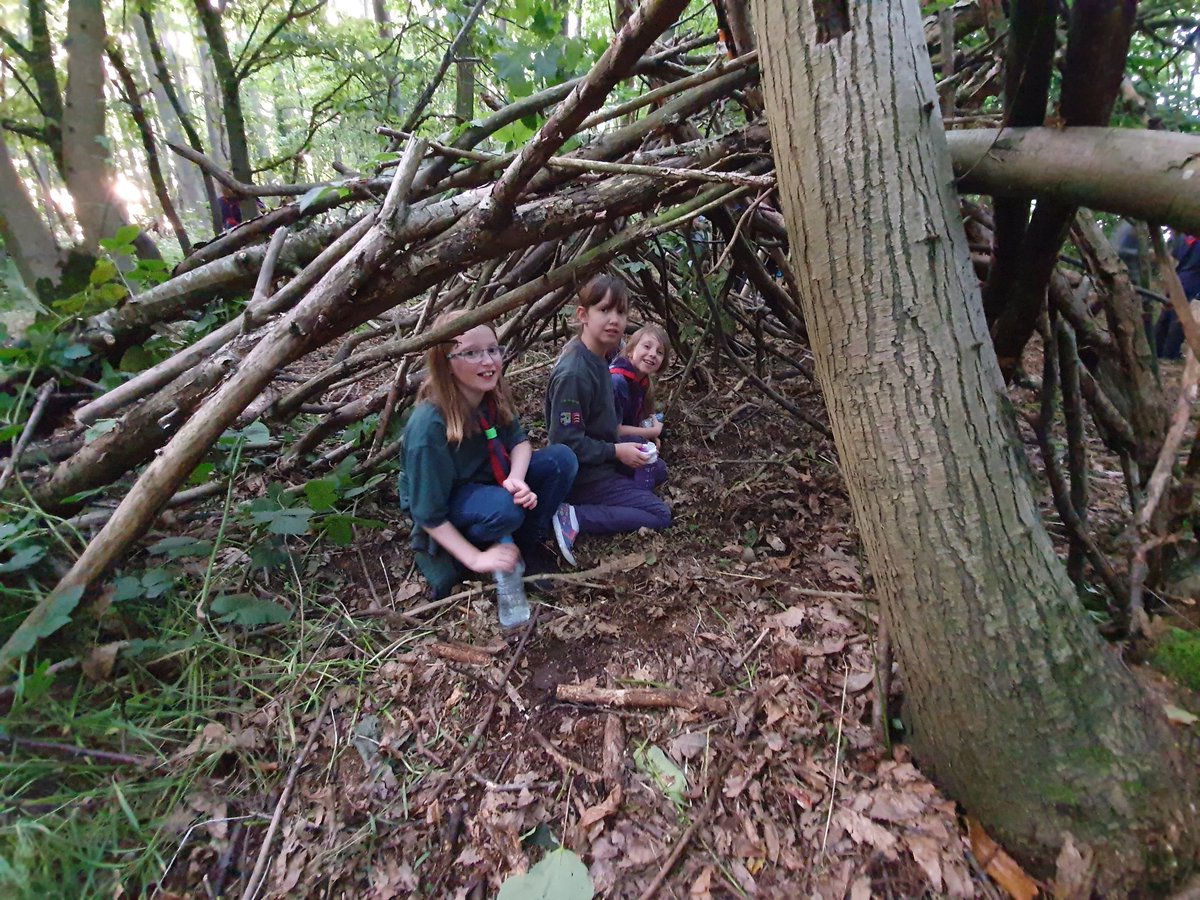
<point>474,356</point>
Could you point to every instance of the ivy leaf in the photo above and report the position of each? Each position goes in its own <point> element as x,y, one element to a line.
<point>284,521</point>
<point>52,614</point>
<point>126,234</point>
<point>23,558</point>
<point>248,611</point>
<point>180,546</point>
<point>321,494</point>
<point>561,875</point>
<point>103,272</point>
<point>135,359</point>
<point>339,530</point>
<point>155,582</point>
<point>668,776</point>
<point>127,587</point>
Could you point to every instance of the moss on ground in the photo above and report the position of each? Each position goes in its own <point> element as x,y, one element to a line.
<point>1178,655</point>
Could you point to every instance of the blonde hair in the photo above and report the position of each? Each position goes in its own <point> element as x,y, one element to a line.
<point>660,335</point>
<point>442,390</point>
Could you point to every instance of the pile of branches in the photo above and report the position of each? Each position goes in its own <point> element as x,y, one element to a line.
<point>354,273</point>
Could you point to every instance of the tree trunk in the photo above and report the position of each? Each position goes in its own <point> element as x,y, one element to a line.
<point>189,183</point>
<point>26,237</point>
<point>45,76</point>
<point>229,83</point>
<point>1017,707</point>
<point>153,167</point>
<point>86,165</point>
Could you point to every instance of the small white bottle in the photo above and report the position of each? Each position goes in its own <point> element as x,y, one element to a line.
<point>649,451</point>
<point>511,601</point>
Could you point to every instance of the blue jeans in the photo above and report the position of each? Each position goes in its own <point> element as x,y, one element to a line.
<point>486,513</point>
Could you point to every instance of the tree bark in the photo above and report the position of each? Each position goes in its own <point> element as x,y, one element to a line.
<point>86,166</point>
<point>26,237</point>
<point>1017,708</point>
<point>229,84</point>
<point>1152,176</point>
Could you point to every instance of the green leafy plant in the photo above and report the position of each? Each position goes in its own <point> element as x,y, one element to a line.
<point>561,875</point>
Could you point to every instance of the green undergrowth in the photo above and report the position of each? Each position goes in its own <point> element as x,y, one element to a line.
<point>1178,655</point>
<point>108,827</point>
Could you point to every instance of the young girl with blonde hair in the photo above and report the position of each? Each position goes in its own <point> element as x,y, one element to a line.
<point>647,353</point>
<point>472,483</point>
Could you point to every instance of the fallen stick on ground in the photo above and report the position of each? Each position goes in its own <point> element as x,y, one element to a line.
<point>685,838</point>
<point>39,406</point>
<point>621,564</point>
<point>264,852</point>
<point>640,698</point>
<point>766,690</point>
<point>461,653</point>
<point>562,759</point>
<point>477,734</point>
<point>143,762</point>
<point>614,752</point>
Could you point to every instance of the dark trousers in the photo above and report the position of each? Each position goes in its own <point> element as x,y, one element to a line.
<point>616,504</point>
<point>1168,335</point>
<point>647,477</point>
<point>486,513</point>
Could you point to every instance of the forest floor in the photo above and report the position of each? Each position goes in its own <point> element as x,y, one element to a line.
<point>430,755</point>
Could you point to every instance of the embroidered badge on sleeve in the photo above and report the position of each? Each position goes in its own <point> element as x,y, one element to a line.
<point>571,416</point>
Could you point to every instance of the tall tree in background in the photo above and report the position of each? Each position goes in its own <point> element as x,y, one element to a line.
<point>1016,705</point>
<point>231,72</point>
<point>73,122</point>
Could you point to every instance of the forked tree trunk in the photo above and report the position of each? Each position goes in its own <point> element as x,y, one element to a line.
<point>1017,707</point>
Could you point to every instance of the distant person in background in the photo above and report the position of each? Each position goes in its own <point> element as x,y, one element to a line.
<point>1168,334</point>
<point>1129,247</point>
<point>231,210</point>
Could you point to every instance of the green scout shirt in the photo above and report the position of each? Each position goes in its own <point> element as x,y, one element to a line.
<point>434,468</point>
<point>581,412</point>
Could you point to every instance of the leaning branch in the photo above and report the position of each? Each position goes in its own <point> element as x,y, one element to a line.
<point>1147,175</point>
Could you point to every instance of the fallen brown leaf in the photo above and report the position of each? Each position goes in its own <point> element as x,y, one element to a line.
<point>1003,869</point>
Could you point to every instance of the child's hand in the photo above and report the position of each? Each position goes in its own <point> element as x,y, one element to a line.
<point>521,494</point>
<point>497,558</point>
<point>631,455</point>
<point>653,431</point>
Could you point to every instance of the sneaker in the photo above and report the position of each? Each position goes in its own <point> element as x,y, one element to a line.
<point>566,530</point>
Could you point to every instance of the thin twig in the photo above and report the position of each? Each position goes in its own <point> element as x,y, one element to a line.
<point>685,838</point>
<point>837,758</point>
<point>562,759</point>
<point>477,734</point>
<point>253,884</point>
<point>143,762</point>
<point>39,406</point>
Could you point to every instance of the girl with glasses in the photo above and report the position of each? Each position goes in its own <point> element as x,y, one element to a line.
<point>480,497</point>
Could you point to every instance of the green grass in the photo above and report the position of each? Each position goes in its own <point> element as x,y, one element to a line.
<point>78,826</point>
<point>1178,655</point>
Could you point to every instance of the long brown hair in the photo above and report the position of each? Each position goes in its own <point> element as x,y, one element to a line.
<point>659,334</point>
<point>442,390</point>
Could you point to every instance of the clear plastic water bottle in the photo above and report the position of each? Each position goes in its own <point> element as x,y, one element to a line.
<point>510,597</point>
<point>649,423</point>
